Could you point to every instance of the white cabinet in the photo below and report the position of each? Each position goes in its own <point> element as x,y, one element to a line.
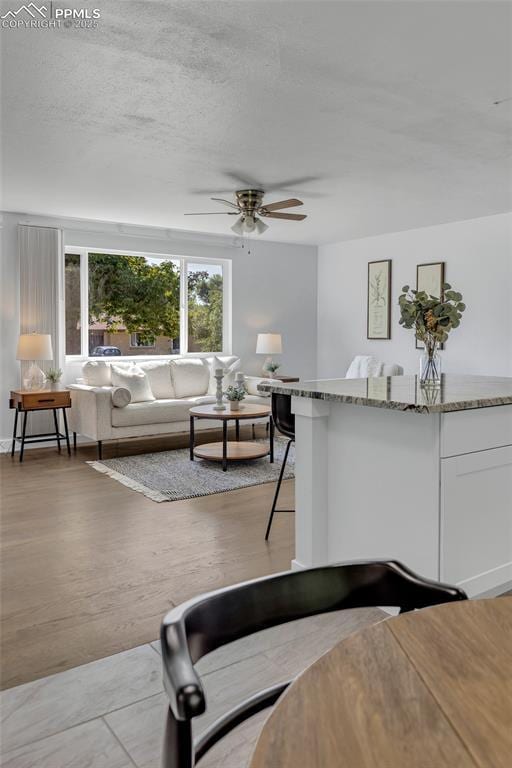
<point>432,490</point>
<point>476,519</point>
<point>475,430</point>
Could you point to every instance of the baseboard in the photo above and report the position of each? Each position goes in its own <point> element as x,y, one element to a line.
<point>489,583</point>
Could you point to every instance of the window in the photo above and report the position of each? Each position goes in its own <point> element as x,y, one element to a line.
<point>205,302</point>
<point>143,340</point>
<point>138,304</point>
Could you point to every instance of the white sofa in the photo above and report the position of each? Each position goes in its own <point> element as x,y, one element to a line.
<point>103,410</point>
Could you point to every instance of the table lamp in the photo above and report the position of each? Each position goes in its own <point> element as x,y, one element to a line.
<point>269,344</point>
<point>32,347</point>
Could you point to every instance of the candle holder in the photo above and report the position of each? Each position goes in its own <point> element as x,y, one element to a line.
<point>219,403</point>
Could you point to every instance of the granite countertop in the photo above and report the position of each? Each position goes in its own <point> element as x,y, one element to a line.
<point>403,393</point>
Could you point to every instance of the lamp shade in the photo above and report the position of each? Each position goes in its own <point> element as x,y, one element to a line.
<point>269,344</point>
<point>34,346</point>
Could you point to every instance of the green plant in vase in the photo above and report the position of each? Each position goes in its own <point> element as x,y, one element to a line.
<point>53,376</point>
<point>271,367</point>
<point>235,394</point>
<point>433,319</point>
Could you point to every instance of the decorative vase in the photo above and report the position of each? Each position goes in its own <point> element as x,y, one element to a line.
<point>234,405</point>
<point>430,365</point>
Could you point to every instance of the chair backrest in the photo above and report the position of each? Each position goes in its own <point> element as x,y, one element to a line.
<point>284,419</point>
<point>207,622</point>
<point>367,367</point>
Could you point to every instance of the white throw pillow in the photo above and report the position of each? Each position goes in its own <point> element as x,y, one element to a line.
<point>159,375</point>
<point>121,397</point>
<point>229,373</point>
<point>190,377</point>
<point>97,373</point>
<point>135,380</point>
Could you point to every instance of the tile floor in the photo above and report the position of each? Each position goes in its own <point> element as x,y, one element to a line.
<point>110,713</point>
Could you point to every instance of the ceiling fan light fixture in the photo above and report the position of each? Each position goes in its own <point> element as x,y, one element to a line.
<point>249,223</point>
<point>260,226</point>
<point>238,226</point>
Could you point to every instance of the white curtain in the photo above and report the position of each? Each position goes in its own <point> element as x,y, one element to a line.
<point>41,295</point>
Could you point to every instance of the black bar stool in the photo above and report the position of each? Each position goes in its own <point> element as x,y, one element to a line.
<point>284,421</point>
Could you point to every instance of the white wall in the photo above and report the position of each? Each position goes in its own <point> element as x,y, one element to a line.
<point>273,289</point>
<point>478,256</point>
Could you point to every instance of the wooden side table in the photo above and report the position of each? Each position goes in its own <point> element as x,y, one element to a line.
<point>25,400</point>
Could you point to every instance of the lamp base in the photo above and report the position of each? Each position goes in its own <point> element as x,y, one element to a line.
<point>35,377</point>
<point>269,374</point>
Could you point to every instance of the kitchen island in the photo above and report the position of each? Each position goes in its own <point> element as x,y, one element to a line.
<point>387,469</point>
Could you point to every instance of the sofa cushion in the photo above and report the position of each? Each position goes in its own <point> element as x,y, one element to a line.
<point>201,400</point>
<point>157,411</point>
<point>230,365</point>
<point>190,377</point>
<point>256,400</point>
<point>96,373</point>
<point>135,380</point>
<point>159,376</point>
<point>251,385</point>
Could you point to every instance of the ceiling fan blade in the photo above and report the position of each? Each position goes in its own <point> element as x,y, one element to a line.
<point>213,213</point>
<point>289,216</point>
<point>291,203</point>
<point>226,202</point>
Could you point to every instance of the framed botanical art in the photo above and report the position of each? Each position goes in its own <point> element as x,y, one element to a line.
<point>379,300</point>
<point>430,278</point>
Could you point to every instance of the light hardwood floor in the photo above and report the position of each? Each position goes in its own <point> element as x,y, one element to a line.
<point>89,567</point>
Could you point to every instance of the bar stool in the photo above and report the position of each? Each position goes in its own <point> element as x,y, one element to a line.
<point>284,421</point>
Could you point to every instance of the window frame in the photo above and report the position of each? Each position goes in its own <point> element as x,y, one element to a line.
<point>83,253</point>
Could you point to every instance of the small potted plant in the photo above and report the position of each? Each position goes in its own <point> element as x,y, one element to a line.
<point>271,367</point>
<point>432,319</point>
<point>53,376</point>
<point>235,394</point>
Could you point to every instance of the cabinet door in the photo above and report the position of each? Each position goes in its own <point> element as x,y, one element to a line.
<point>476,520</point>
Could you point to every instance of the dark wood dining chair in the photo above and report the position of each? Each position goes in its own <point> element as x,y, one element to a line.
<point>284,422</point>
<point>209,621</point>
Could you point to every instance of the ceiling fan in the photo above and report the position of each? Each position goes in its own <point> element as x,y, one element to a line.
<point>249,207</point>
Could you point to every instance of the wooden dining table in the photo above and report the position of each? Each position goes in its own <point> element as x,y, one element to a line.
<point>425,689</point>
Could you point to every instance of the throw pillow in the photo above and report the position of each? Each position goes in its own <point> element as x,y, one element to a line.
<point>135,380</point>
<point>121,397</point>
<point>229,373</point>
<point>159,375</point>
<point>97,373</point>
<point>190,377</point>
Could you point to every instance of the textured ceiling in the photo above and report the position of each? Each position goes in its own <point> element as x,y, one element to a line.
<point>379,115</point>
